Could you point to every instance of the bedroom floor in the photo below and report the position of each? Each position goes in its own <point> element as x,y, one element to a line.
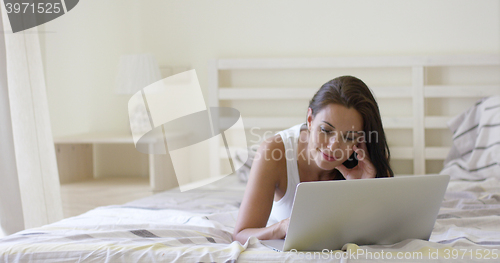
<point>80,197</point>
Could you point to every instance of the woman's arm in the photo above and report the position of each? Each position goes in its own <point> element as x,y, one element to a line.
<point>259,194</point>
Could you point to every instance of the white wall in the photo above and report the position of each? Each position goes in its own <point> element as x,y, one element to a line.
<point>181,32</point>
<point>81,54</point>
<point>82,48</point>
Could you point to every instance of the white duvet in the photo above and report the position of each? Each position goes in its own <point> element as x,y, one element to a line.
<point>196,226</point>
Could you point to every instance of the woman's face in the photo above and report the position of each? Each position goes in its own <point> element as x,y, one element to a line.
<point>333,132</point>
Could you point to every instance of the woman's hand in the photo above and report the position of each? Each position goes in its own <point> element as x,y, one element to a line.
<point>364,169</point>
<point>283,228</point>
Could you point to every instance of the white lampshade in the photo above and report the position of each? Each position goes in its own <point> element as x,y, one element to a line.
<point>135,72</point>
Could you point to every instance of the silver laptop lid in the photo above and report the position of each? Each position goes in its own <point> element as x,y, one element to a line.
<point>329,214</point>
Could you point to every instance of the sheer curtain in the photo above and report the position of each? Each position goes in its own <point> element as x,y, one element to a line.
<point>29,181</point>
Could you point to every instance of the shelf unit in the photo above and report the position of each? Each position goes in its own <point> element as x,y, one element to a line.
<point>78,162</point>
<point>418,90</point>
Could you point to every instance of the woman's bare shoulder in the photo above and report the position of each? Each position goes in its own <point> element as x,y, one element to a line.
<point>270,159</point>
<point>273,149</point>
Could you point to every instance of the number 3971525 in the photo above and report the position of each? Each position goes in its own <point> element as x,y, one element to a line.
<point>32,8</point>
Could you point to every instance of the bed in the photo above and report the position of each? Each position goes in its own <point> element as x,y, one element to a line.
<point>196,226</point>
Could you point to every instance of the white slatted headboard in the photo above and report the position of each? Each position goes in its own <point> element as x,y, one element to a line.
<point>416,96</point>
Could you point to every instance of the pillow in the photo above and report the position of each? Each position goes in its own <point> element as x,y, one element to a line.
<point>475,153</point>
<point>240,153</point>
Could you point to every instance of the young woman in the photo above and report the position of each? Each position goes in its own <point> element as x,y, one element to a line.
<point>342,118</point>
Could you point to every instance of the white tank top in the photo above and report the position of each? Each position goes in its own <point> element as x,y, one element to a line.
<point>282,209</point>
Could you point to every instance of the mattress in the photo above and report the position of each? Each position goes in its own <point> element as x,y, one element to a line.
<point>196,226</point>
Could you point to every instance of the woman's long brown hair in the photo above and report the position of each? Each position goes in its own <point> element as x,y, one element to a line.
<point>351,92</point>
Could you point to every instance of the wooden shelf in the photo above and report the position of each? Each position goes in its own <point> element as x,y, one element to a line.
<point>73,165</point>
<point>460,91</point>
<point>436,153</point>
<point>275,123</point>
<point>305,93</point>
<point>104,137</point>
<point>436,122</point>
<point>94,138</point>
<point>397,153</point>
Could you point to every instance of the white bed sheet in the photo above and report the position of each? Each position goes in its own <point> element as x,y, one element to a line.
<point>196,226</point>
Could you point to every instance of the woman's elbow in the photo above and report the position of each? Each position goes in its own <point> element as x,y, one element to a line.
<point>237,237</point>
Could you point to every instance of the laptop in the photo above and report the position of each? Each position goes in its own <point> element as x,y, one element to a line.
<point>381,211</point>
